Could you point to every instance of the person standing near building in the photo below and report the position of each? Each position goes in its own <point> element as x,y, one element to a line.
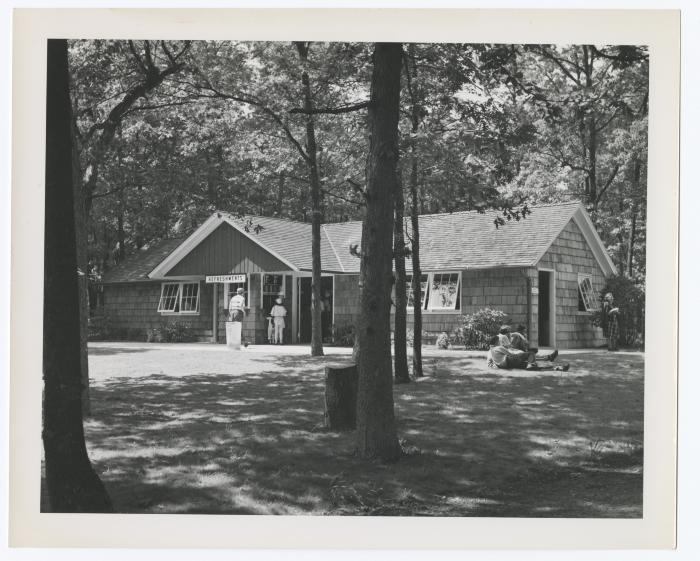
<point>236,306</point>
<point>278,314</point>
<point>611,324</point>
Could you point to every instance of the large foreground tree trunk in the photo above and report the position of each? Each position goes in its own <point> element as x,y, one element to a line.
<point>376,430</point>
<point>72,484</point>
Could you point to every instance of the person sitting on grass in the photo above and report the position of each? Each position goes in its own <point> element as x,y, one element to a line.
<point>519,341</point>
<point>504,336</point>
<point>509,358</point>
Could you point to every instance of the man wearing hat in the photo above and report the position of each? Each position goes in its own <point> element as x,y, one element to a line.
<point>236,307</point>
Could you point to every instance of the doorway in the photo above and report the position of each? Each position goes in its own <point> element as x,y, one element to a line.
<point>304,326</point>
<point>546,308</point>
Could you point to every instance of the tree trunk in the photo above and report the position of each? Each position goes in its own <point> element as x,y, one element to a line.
<point>340,397</point>
<point>72,484</point>
<point>636,172</point>
<point>316,212</point>
<point>376,430</point>
<point>279,206</point>
<point>400,357</point>
<point>415,234</point>
<point>83,275</point>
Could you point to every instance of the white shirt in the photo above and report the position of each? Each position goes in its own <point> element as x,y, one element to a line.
<point>237,303</point>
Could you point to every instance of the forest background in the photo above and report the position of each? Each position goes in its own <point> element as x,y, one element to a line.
<point>168,132</point>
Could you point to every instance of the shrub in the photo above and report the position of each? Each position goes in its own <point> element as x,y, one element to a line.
<point>343,335</point>
<point>479,327</point>
<point>443,341</point>
<point>173,332</point>
<point>99,328</point>
<point>629,298</point>
<point>426,337</point>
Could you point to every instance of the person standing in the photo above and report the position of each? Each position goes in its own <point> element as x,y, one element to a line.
<point>278,314</point>
<point>236,306</point>
<point>611,323</point>
<point>326,315</point>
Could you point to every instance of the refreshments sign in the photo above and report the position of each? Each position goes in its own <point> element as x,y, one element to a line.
<point>225,278</point>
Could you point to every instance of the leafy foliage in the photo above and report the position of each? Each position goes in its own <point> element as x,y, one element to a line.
<point>630,299</point>
<point>171,332</point>
<point>479,327</point>
<point>496,126</point>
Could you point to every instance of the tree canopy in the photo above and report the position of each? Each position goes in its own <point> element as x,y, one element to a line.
<point>168,131</point>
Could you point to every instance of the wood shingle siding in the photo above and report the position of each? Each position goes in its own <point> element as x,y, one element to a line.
<point>570,255</point>
<point>132,309</point>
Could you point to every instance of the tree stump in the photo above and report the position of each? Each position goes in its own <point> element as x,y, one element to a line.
<point>341,397</point>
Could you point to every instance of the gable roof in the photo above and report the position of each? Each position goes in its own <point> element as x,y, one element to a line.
<point>458,240</point>
<point>136,267</point>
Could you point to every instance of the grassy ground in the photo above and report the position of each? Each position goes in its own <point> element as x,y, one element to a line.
<point>187,429</point>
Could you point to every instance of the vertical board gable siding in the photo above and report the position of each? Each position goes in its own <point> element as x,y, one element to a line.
<point>226,251</point>
<point>570,255</point>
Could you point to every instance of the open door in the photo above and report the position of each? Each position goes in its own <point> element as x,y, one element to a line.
<point>304,329</point>
<point>545,309</point>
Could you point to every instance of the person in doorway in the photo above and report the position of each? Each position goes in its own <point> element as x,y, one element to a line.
<point>326,315</point>
<point>278,314</point>
<point>611,323</point>
<point>509,358</point>
<point>236,306</point>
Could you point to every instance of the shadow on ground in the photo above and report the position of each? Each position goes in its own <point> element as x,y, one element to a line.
<point>106,351</point>
<point>478,442</point>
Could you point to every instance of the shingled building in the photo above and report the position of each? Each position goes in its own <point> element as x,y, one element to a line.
<point>544,271</point>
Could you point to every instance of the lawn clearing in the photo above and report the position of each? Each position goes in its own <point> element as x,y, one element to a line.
<point>201,429</point>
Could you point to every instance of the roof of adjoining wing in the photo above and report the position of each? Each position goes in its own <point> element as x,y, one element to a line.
<point>458,240</point>
<point>470,240</point>
<point>136,267</point>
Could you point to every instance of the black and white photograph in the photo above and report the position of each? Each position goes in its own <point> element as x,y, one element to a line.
<point>317,278</point>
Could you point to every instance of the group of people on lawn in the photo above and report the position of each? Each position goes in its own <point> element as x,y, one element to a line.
<point>511,349</point>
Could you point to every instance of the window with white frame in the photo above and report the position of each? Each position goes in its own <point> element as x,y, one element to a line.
<point>444,291</point>
<point>179,298</point>
<point>438,291</point>
<point>409,290</point>
<point>586,296</point>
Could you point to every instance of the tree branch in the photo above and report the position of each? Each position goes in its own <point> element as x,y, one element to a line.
<point>613,173</point>
<point>216,94</point>
<point>332,110</point>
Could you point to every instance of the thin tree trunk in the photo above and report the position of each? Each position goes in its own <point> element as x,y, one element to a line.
<point>279,207</point>
<point>400,357</point>
<point>636,173</point>
<point>415,233</point>
<point>72,484</point>
<point>376,429</point>
<point>316,211</point>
